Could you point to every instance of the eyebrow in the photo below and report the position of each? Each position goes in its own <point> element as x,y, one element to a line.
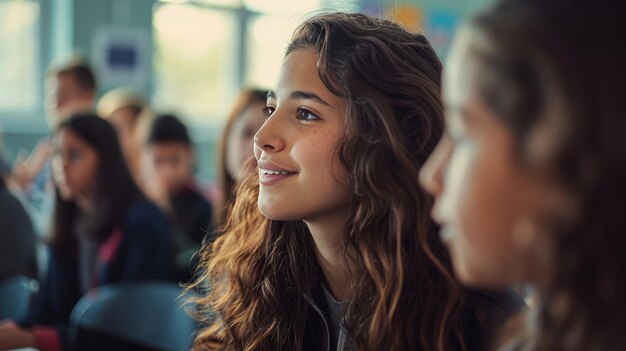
<point>298,94</point>
<point>308,96</point>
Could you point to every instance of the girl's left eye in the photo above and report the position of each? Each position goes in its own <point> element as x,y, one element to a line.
<point>306,115</point>
<point>267,111</point>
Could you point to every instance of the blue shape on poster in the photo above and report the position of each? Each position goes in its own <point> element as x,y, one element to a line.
<point>122,57</point>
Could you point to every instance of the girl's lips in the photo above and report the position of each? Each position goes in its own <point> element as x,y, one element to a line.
<point>271,173</point>
<point>271,176</point>
<point>267,165</point>
<point>268,179</point>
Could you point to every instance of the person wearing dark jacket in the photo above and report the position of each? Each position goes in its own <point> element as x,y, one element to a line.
<point>104,231</point>
<point>169,182</point>
<point>17,234</point>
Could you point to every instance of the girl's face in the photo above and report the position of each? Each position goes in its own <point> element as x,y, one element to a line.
<point>485,200</point>
<point>300,175</point>
<point>169,166</point>
<point>241,139</point>
<point>76,165</point>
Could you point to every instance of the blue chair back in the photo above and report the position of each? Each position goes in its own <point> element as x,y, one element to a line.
<point>147,313</point>
<point>15,295</point>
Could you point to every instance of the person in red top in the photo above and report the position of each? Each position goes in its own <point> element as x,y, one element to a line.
<point>104,231</point>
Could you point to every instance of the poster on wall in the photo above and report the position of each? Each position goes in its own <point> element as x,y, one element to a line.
<point>121,57</point>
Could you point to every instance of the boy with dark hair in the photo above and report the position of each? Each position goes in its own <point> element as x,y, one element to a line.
<point>169,182</point>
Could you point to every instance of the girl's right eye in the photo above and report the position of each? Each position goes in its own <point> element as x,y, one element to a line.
<point>268,110</point>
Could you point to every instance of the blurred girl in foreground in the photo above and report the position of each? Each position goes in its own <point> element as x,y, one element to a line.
<point>529,176</point>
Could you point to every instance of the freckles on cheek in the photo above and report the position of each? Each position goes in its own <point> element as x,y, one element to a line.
<point>315,151</point>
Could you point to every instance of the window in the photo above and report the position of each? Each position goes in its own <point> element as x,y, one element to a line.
<point>205,51</point>
<point>19,54</point>
<point>195,60</point>
<point>267,40</point>
<point>286,7</point>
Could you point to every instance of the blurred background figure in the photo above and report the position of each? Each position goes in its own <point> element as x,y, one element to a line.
<point>124,108</point>
<point>236,158</point>
<point>104,231</point>
<point>69,88</point>
<point>17,235</point>
<point>169,181</point>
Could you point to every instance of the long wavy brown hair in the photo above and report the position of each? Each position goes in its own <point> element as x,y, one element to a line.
<point>402,295</point>
<point>553,71</point>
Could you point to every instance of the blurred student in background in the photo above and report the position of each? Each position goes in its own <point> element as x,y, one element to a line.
<point>69,88</point>
<point>236,158</point>
<point>104,231</point>
<point>529,177</point>
<point>330,246</point>
<point>170,162</point>
<point>125,109</point>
